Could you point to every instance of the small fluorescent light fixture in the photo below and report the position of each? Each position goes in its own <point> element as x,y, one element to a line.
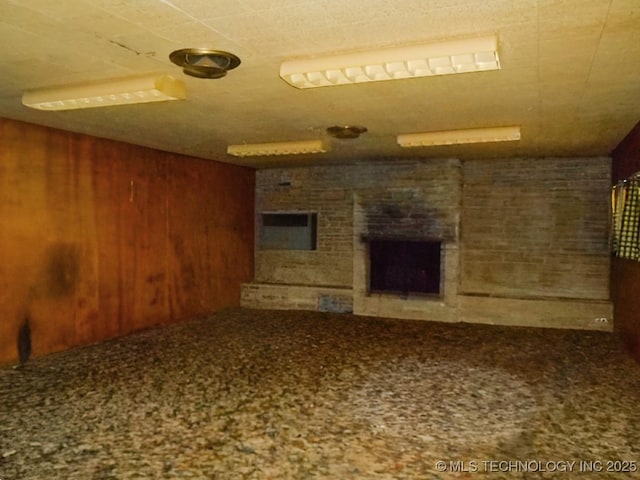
<point>456,56</point>
<point>277,148</point>
<point>146,89</point>
<point>451,137</point>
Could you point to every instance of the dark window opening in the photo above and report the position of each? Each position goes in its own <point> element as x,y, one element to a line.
<point>403,266</point>
<point>289,231</point>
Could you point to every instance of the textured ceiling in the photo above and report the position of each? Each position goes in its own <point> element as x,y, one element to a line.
<point>570,73</point>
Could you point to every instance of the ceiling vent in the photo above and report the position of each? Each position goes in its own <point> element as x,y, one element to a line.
<point>203,62</point>
<point>346,131</point>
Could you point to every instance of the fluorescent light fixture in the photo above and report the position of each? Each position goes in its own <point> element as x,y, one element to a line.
<point>456,56</point>
<point>146,89</point>
<point>277,148</point>
<point>451,137</point>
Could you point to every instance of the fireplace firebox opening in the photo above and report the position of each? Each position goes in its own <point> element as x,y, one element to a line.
<point>405,266</point>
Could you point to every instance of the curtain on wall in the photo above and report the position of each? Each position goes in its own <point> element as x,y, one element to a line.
<point>625,203</point>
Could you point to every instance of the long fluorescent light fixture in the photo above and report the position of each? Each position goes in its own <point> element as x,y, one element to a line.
<point>456,56</point>
<point>277,148</point>
<point>146,89</point>
<point>451,137</point>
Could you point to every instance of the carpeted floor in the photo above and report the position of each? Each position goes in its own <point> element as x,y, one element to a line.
<point>252,394</point>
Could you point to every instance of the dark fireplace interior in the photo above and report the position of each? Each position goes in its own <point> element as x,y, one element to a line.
<point>404,266</point>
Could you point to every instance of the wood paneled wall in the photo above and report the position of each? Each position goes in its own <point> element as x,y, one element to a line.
<point>625,274</point>
<point>100,238</point>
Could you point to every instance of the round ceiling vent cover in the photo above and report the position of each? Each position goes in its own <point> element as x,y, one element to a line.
<point>347,131</point>
<point>203,62</point>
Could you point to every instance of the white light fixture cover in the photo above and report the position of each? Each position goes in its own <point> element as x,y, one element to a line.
<point>146,89</point>
<point>277,148</point>
<point>456,56</point>
<point>450,137</point>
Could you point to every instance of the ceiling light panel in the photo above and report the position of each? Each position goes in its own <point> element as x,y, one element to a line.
<point>146,89</point>
<point>451,137</point>
<point>277,148</point>
<point>456,56</point>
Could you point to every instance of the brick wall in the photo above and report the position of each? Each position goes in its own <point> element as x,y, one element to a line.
<point>400,199</point>
<point>326,191</point>
<point>523,235</point>
<point>536,228</point>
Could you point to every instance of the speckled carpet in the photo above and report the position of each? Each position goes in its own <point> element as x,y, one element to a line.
<point>249,394</point>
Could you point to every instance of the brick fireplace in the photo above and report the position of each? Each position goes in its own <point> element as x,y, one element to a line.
<point>404,266</point>
<point>422,209</point>
<point>518,241</point>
